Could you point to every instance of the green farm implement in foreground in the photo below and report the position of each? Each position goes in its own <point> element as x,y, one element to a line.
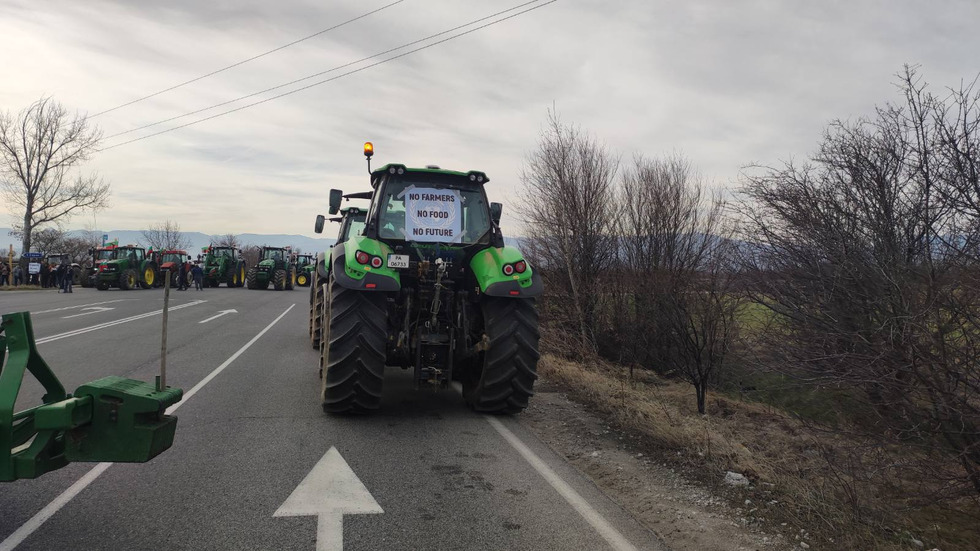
<point>428,285</point>
<point>111,419</point>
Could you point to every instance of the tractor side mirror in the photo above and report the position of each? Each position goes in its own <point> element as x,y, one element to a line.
<point>496,209</point>
<point>336,196</point>
<point>91,251</point>
<point>318,227</point>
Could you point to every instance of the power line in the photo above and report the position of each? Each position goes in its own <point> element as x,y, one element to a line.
<point>331,79</point>
<point>321,73</point>
<point>244,61</point>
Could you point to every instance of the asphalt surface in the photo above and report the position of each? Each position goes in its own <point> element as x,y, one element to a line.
<point>446,477</point>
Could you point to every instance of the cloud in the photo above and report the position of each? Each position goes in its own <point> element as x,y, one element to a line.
<point>725,83</point>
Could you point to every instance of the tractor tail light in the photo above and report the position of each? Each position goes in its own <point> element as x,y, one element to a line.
<point>508,269</point>
<point>362,257</point>
<point>515,293</point>
<point>521,267</point>
<point>376,262</point>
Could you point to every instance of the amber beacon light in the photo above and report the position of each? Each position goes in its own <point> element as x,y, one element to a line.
<point>368,149</point>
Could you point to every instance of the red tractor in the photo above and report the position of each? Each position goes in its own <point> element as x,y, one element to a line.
<point>171,260</point>
<point>100,256</point>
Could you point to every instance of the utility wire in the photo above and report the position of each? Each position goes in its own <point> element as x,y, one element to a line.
<point>321,73</point>
<point>244,61</point>
<point>331,79</point>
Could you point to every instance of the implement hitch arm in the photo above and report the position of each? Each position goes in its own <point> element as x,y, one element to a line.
<point>111,419</point>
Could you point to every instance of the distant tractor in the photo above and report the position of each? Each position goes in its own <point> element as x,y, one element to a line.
<point>274,267</point>
<point>223,265</point>
<point>171,260</point>
<point>351,221</point>
<point>129,268</point>
<point>100,256</point>
<point>428,285</point>
<point>304,269</point>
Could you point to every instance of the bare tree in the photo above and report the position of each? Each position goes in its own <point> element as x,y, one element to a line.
<point>166,235</point>
<point>568,204</point>
<point>40,151</point>
<point>227,240</point>
<point>48,240</point>
<point>866,253</point>
<point>679,312</point>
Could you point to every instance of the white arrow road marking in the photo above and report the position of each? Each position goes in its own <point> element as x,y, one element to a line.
<point>220,313</point>
<point>95,310</point>
<point>330,491</point>
<point>49,510</point>
<point>79,306</point>
<point>116,322</point>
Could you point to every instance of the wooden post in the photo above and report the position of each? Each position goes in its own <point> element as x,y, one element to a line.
<point>162,385</point>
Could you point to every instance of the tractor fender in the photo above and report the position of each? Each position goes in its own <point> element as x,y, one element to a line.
<point>370,281</point>
<point>321,265</point>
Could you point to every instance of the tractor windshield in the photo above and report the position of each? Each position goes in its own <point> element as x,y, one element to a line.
<point>431,211</point>
<point>303,260</point>
<point>173,257</point>
<point>223,252</point>
<point>105,254</point>
<point>273,254</point>
<point>356,225</point>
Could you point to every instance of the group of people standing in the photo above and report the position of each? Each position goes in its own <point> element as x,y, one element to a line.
<point>196,272</point>
<point>59,276</point>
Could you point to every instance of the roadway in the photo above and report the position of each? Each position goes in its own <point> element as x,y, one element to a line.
<point>424,473</point>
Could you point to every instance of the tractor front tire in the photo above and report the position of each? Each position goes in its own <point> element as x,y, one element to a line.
<point>354,347</point>
<point>250,279</point>
<point>128,280</point>
<point>102,286</point>
<point>149,279</point>
<point>291,280</point>
<point>279,280</point>
<point>509,366</point>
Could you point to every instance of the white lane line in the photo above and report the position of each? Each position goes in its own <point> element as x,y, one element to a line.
<point>79,306</point>
<point>601,525</point>
<point>95,310</point>
<point>113,323</point>
<point>35,522</point>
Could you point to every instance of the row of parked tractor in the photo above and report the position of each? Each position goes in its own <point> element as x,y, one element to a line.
<point>134,267</point>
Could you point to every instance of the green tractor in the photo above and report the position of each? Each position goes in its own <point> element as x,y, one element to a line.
<point>304,269</point>
<point>427,285</point>
<point>223,265</point>
<point>351,223</point>
<point>129,268</point>
<point>274,267</point>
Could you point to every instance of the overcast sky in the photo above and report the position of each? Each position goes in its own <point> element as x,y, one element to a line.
<point>725,83</point>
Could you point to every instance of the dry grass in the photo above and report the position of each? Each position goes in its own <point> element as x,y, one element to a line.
<point>819,479</point>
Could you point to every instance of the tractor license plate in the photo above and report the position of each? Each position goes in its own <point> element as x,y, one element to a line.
<point>398,261</point>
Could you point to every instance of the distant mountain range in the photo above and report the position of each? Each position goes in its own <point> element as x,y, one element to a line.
<point>198,240</point>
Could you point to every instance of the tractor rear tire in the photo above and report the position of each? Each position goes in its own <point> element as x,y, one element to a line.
<point>316,312</point>
<point>354,349</point>
<point>279,280</point>
<point>241,274</point>
<point>128,280</point>
<point>509,366</point>
<point>291,280</point>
